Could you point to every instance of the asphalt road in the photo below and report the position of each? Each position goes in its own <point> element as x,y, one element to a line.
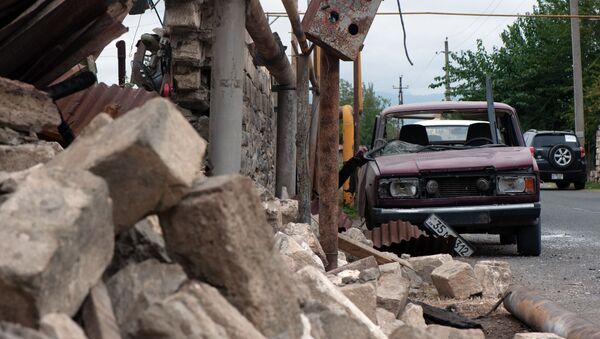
<point>568,271</point>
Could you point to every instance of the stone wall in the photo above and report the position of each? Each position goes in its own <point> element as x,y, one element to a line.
<point>190,29</point>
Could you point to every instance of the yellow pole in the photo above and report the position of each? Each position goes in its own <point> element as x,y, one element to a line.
<point>348,149</point>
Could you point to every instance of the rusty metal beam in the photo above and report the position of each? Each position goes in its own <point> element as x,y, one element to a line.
<point>328,156</point>
<point>546,316</point>
<point>291,8</point>
<point>267,45</point>
<point>121,55</point>
<point>302,142</point>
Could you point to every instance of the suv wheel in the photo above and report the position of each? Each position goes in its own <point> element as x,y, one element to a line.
<point>562,185</point>
<point>579,185</point>
<point>561,156</point>
<point>529,239</point>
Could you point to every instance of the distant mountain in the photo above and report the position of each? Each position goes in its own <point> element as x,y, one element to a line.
<point>410,98</point>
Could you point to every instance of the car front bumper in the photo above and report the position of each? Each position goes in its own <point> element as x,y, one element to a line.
<point>480,217</point>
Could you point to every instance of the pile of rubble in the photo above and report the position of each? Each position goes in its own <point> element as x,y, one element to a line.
<point>122,236</point>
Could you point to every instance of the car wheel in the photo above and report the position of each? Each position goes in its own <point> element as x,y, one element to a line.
<point>508,239</point>
<point>561,156</point>
<point>563,185</point>
<point>579,185</point>
<point>529,239</point>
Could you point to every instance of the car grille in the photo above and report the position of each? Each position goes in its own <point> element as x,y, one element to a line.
<point>451,187</point>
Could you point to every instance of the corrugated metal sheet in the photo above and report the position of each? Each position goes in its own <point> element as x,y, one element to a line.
<point>80,108</point>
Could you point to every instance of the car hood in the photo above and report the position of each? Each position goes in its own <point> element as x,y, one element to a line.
<point>499,158</point>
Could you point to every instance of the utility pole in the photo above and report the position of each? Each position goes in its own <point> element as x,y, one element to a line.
<point>400,91</point>
<point>447,69</point>
<point>577,77</point>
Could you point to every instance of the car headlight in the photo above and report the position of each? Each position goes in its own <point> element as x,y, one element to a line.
<point>516,184</point>
<point>398,187</point>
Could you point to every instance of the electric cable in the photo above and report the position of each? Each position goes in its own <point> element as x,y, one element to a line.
<point>404,33</point>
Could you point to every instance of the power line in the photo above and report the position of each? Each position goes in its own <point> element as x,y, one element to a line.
<point>504,15</point>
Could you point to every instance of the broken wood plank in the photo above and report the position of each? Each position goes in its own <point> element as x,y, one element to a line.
<point>361,250</point>
<point>444,317</point>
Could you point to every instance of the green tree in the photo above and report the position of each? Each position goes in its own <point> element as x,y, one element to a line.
<point>373,104</point>
<point>532,70</point>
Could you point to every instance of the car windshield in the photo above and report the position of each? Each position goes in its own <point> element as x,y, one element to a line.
<point>549,140</point>
<point>439,131</point>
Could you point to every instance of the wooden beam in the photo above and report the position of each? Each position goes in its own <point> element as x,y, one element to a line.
<point>361,250</point>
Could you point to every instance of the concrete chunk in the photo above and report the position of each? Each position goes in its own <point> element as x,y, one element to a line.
<point>537,335</point>
<point>494,276</point>
<point>424,265</point>
<point>455,279</point>
<point>61,326</point>
<point>197,311</point>
<point>149,157</point>
<point>56,238</point>
<point>332,314</point>
<point>15,331</point>
<point>289,210</point>
<point>136,287</point>
<point>444,332</point>
<point>294,255</point>
<point>22,157</point>
<point>364,297</point>
<point>219,234</point>
<point>24,108</point>
<point>98,317</point>
<point>413,316</point>
<point>387,321</point>
<point>303,233</point>
<point>405,332</point>
<point>392,288</point>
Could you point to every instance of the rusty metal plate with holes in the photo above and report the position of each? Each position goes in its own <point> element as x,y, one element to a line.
<point>339,26</point>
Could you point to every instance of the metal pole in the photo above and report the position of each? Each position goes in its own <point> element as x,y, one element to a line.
<point>121,55</point>
<point>546,316</point>
<point>302,140</point>
<point>577,77</point>
<point>227,96</point>
<point>490,107</point>
<point>285,170</point>
<point>328,156</point>
<point>447,52</point>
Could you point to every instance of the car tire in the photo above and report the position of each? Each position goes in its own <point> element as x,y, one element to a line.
<point>529,239</point>
<point>562,185</point>
<point>508,238</point>
<point>561,156</point>
<point>579,185</point>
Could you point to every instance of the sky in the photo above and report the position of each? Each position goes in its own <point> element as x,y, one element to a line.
<point>383,56</point>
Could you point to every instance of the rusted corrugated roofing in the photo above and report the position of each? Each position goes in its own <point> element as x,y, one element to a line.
<point>80,108</point>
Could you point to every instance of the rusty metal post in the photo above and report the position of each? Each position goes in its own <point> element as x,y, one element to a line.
<point>121,55</point>
<point>302,140</point>
<point>314,133</point>
<point>227,87</point>
<point>328,156</point>
<point>285,167</point>
<point>546,316</point>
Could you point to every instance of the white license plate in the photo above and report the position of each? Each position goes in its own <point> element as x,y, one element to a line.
<point>557,176</point>
<point>440,228</point>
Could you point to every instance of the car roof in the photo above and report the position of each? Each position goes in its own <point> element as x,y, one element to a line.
<point>550,132</point>
<point>444,106</point>
<point>438,122</point>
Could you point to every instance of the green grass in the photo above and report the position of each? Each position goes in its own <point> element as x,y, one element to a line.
<point>350,211</point>
<point>592,185</point>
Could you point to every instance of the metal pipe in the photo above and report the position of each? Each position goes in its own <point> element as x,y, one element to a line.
<point>302,140</point>
<point>285,168</point>
<point>328,157</point>
<point>545,316</point>
<point>314,133</point>
<point>227,85</point>
<point>291,8</point>
<point>348,150</point>
<point>121,55</point>
<point>267,45</point>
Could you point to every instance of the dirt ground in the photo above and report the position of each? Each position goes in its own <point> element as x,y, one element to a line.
<point>498,325</point>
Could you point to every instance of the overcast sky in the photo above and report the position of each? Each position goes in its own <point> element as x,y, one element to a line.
<point>383,56</point>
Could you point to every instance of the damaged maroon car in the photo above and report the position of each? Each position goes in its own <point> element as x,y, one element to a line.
<point>451,161</point>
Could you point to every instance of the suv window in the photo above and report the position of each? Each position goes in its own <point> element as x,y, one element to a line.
<point>549,140</point>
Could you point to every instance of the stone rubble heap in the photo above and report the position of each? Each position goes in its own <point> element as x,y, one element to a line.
<point>122,236</point>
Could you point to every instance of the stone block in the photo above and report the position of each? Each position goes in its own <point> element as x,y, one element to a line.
<point>219,234</point>
<point>24,108</point>
<point>57,238</point>
<point>136,287</point>
<point>405,332</point>
<point>183,15</point>
<point>364,297</point>
<point>426,264</point>
<point>444,332</point>
<point>149,164</point>
<point>295,256</point>
<point>12,138</point>
<point>196,311</point>
<point>359,265</point>
<point>289,211</point>
<point>456,279</point>
<point>98,316</point>
<point>98,122</point>
<point>303,233</point>
<point>413,316</point>
<point>15,331</point>
<point>494,276</point>
<point>22,157</point>
<point>392,288</point>
<point>331,314</point>
<point>61,326</point>
<point>536,335</point>
<point>273,212</point>
<point>387,321</point>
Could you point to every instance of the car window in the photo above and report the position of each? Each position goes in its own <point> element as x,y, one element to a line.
<point>447,133</point>
<point>548,140</point>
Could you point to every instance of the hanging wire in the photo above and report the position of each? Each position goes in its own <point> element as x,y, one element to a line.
<point>153,6</point>
<point>135,35</point>
<point>404,32</point>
